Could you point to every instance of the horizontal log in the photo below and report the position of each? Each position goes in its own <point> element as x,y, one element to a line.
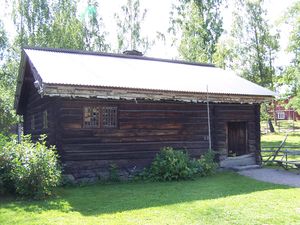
<point>126,155</point>
<point>135,145</point>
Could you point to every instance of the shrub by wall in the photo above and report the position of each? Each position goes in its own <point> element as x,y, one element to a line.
<point>3,140</point>
<point>29,169</point>
<point>206,164</point>
<point>170,164</point>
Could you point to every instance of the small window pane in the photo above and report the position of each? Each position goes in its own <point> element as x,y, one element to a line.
<point>91,117</point>
<point>280,115</point>
<point>109,117</point>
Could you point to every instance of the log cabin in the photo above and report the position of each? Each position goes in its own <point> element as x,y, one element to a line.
<point>101,109</point>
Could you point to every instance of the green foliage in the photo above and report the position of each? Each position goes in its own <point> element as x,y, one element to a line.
<point>170,164</point>
<point>224,54</point>
<point>3,140</point>
<point>94,28</point>
<point>55,24</point>
<point>7,82</point>
<point>113,173</point>
<point>66,31</point>
<point>32,19</point>
<point>207,164</point>
<point>129,24</point>
<point>295,102</point>
<point>291,74</point>
<point>29,169</point>
<point>3,40</point>
<point>255,46</point>
<point>201,25</point>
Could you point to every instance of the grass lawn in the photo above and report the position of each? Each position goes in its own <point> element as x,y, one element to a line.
<point>275,139</point>
<point>226,198</point>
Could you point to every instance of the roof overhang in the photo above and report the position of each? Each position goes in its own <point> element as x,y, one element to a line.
<point>72,91</point>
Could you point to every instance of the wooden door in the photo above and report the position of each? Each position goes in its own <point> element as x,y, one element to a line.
<point>237,138</point>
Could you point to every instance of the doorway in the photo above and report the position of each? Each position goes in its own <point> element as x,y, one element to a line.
<point>237,138</point>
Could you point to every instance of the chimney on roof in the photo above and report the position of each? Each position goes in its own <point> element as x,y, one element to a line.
<point>133,52</point>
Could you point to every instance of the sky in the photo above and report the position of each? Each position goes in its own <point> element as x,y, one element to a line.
<point>157,19</point>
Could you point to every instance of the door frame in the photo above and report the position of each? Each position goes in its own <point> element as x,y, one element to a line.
<point>247,138</point>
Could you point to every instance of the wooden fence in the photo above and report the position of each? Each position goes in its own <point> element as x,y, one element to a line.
<point>287,157</point>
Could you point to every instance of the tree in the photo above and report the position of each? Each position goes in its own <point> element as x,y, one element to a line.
<point>32,19</point>
<point>129,24</point>
<point>200,23</point>
<point>255,46</point>
<point>94,28</point>
<point>3,40</point>
<point>47,23</point>
<point>291,74</point>
<point>224,55</point>
<point>7,115</point>
<point>66,30</point>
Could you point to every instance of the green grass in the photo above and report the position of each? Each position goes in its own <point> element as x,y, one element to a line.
<point>226,198</point>
<point>276,139</point>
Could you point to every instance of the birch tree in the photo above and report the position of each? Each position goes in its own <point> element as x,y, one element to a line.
<point>129,23</point>
<point>200,24</point>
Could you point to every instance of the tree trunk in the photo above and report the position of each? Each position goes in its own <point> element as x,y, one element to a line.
<point>272,130</point>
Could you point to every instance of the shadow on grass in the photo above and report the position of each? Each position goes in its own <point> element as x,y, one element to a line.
<point>111,198</point>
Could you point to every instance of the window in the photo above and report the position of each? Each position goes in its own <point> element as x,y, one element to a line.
<point>45,119</point>
<point>91,117</point>
<point>280,115</point>
<point>100,117</point>
<point>109,117</point>
<point>32,123</point>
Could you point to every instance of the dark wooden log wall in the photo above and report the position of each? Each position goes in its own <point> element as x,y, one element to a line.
<point>143,128</point>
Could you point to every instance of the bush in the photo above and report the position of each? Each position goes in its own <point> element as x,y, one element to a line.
<point>29,169</point>
<point>3,140</point>
<point>207,166</point>
<point>170,164</point>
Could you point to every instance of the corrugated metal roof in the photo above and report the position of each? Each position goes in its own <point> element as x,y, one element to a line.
<point>71,68</point>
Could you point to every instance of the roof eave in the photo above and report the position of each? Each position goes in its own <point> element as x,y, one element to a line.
<point>73,91</point>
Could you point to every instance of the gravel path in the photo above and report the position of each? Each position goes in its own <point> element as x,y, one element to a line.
<point>273,176</point>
